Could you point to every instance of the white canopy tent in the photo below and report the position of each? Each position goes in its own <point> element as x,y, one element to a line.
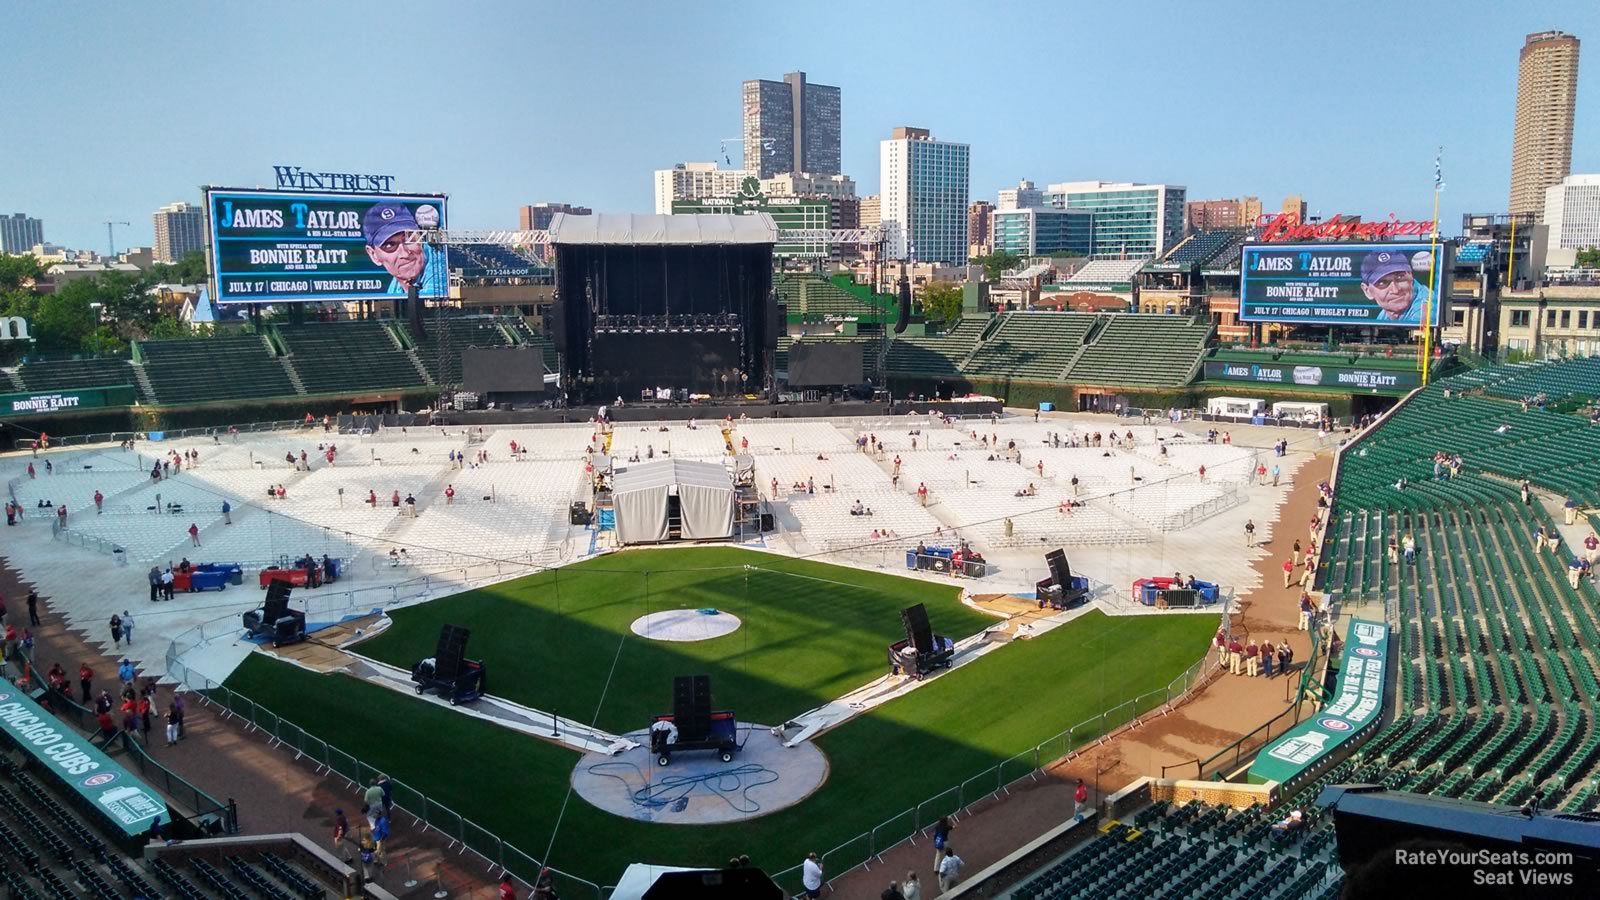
<point>639,877</point>
<point>641,494</point>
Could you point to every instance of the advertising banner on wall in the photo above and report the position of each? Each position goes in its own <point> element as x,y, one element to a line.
<point>1355,708</point>
<point>1353,378</point>
<point>287,246</point>
<point>66,401</point>
<point>1341,283</point>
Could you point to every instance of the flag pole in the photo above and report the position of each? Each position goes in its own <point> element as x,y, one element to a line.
<point>1433,266</point>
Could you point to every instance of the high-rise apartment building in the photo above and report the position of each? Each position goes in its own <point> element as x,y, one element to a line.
<point>1572,212</point>
<point>180,230</point>
<point>1023,196</point>
<point>19,232</point>
<point>1043,231</point>
<point>791,126</point>
<point>870,211</point>
<point>1131,219</point>
<point>980,224</point>
<point>537,216</point>
<point>1205,215</point>
<point>1294,205</point>
<point>1547,97</point>
<point>925,185</point>
<point>696,181</point>
<point>1249,211</point>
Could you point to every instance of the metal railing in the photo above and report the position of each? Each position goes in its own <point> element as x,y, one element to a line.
<point>998,779</point>
<point>218,431</point>
<point>496,854</point>
<point>198,803</point>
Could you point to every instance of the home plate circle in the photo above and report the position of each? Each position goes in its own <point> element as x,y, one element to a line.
<point>696,787</point>
<point>685,625</point>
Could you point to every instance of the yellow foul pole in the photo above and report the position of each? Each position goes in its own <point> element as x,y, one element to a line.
<point>1427,307</point>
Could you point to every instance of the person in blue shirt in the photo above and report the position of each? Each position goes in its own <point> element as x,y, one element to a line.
<point>390,229</point>
<point>1387,280</point>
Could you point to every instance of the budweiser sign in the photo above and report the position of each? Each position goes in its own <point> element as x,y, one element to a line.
<point>1288,227</point>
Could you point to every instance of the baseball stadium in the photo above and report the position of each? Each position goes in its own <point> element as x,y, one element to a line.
<point>650,556</point>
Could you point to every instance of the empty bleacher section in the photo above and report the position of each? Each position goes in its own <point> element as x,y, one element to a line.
<point>812,298</point>
<point>67,374</point>
<point>1473,251</point>
<point>347,356</point>
<point>1557,381</point>
<point>1498,670</point>
<point>440,352</point>
<point>1031,345</point>
<point>216,368</point>
<point>494,260</point>
<point>936,355</point>
<point>1107,271</point>
<point>1150,351</point>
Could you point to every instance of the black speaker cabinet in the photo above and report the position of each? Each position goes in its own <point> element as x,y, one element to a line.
<point>1060,571</point>
<point>450,651</point>
<point>691,706</point>
<point>767,522</point>
<point>277,602</point>
<point>918,630</point>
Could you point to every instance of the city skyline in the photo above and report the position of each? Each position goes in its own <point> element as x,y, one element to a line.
<point>594,138</point>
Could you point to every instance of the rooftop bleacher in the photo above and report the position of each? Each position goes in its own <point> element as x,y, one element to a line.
<point>936,355</point>
<point>1199,248</point>
<point>1143,350</point>
<point>69,374</point>
<point>1031,345</point>
<point>348,356</point>
<point>209,369</point>
<point>1473,251</point>
<point>1100,271</point>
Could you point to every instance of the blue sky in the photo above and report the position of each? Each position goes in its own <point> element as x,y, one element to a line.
<point>112,110</point>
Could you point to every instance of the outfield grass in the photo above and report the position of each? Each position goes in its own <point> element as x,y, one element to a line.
<point>881,763</point>
<point>811,632</point>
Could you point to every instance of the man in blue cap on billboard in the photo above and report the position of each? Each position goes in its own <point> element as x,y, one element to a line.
<point>390,230</point>
<point>1388,280</point>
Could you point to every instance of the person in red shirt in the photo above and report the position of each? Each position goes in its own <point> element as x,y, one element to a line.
<point>85,680</point>
<point>1288,571</point>
<point>1080,798</point>
<point>99,502</point>
<point>194,534</point>
<point>449,494</point>
<point>108,728</point>
<point>508,888</point>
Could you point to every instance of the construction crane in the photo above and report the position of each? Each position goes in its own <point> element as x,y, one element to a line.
<point>111,238</point>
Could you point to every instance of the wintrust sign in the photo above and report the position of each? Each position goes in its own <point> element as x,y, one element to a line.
<point>1277,227</point>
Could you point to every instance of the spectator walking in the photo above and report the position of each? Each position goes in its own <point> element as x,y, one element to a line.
<point>85,680</point>
<point>227,513</point>
<point>387,786</point>
<point>374,803</point>
<point>1306,610</point>
<point>33,607</point>
<point>1394,551</point>
<point>1080,799</point>
<point>174,718</point>
<point>1221,642</point>
<point>941,837</point>
<point>508,888</point>
<point>99,502</point>
<point>125,673</point>
<point>116,630</point>
<point>1249,532</point>
<point>127,627</point>
<point>449,495</point>
<point>194,534</point>
<point>811,876</point>
<point>155,583</point>
<point>911,888</point>
<point>177,707</point>
<point>1288,571</point>
<point>1591,550</point>
<point>1409,544</point>
<point>1297,551</point>
<point>1570,510</point>
<point>949,870</point>
<point>1276,474</point>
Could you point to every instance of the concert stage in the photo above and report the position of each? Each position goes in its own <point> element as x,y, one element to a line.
<point>683,303</point>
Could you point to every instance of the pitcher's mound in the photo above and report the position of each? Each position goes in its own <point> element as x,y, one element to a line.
<point>685,625</point>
